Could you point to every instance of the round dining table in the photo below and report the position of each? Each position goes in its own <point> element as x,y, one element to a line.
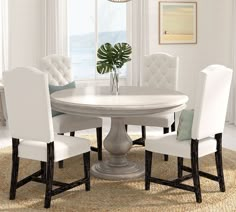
<point>131,101</point>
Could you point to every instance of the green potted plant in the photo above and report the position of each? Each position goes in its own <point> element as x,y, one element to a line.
<point>111,60</point>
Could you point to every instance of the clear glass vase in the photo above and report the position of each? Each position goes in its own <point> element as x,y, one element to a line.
<point>114,81</point>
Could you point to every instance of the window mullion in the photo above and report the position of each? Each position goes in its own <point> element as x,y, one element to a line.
<point>129,39</point>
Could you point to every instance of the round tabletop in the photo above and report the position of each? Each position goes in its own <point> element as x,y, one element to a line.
<point>131,101</point>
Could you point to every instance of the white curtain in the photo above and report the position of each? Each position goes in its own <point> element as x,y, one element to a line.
<point>138,29</point>
<point>4,54</point>
<point>56,36</point>
<point>231,115</point>
<point>3,36</point>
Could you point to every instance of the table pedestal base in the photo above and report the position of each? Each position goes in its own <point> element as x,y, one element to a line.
<point>105,171</point>
<point>117,167</point>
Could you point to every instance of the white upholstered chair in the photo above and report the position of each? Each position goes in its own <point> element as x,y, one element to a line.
<point>208,125</point>
<point>58,68</point>
<point>59,73</point>
<point>160,71</point>
<point>31,127</point>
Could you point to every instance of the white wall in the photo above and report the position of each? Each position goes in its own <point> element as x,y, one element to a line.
<point>26,34</point>
<point>213,45</point>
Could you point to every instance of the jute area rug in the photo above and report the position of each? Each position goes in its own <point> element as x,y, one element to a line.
<point>120,195</point>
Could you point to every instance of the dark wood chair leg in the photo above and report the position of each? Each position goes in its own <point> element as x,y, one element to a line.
<point>49,176</point>
<point>72,134</point>
<point>195,170</point>
<point>173,127</point>
<point>144,134</point>
<point>148,169</point>
<point>15,168</point>
<point>141,140</point>
<point>43,169</point>
<point>180,165</point>
<point>126,128</point>
<point>165,131</point>
<point>99,142</point>
<point>219,163</point>
<point>86,157</point>
<point>61,164</point>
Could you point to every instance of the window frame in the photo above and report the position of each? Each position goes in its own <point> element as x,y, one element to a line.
<point>124,80</point>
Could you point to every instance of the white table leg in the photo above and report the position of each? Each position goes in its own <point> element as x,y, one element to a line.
<point>118,144</point>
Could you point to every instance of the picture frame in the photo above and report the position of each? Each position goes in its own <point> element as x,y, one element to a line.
<point>177,22</point>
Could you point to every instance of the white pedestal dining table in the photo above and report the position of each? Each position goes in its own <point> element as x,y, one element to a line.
<point>131,101</point>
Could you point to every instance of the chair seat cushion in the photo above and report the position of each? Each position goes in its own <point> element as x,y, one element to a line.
<point>168,144</point>
<point>64,147</point>
<point>152,120</point>
<point>69,123</point>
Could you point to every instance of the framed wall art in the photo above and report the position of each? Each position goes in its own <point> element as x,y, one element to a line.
<point>177,22</point>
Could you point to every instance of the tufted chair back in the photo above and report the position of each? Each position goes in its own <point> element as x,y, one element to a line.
<point>58,69</point>
<point>161,71</point>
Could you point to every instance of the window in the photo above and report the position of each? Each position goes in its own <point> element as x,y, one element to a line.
<point>91,24</point>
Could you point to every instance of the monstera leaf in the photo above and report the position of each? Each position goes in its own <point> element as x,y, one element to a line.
<point>123,50</point>
<point>112,57</point>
